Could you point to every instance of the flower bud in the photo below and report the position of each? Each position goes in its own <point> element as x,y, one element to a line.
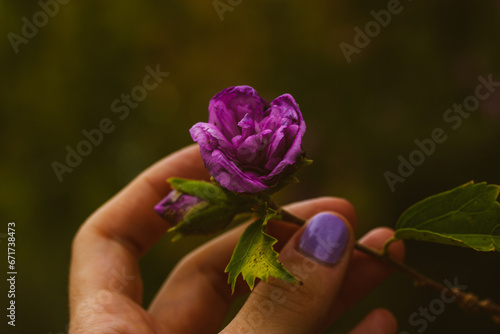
<point>176,205</point>
<point>251,146</point>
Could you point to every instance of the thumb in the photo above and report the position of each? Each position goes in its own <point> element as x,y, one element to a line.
<point>318,254</point>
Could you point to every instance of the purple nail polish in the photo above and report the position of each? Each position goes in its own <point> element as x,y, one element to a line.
<point>325,238</point>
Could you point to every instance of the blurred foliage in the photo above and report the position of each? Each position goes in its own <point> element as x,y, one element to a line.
<point>361,116</point>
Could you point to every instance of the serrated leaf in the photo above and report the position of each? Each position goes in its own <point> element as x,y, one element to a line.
<point>254,256</point>
<point>467,216</point>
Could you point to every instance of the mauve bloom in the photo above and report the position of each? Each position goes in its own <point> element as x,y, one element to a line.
<point>176,205</point>
<point>249,145</point>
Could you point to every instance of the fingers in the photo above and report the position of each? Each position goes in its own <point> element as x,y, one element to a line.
<point>129,218</point>
<point>107,246</point>
<point>365,272</point>
<point>198,288</point>
<point>325,295</point>
<point>378,321</point>
<point>318,254</point>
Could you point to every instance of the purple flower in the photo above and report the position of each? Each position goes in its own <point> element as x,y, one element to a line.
<point>249,145</point>
<point>175,206</point>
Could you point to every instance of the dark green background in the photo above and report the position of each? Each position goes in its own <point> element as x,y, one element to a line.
<point>360,116</point>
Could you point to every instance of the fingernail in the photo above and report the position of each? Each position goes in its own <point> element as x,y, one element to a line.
<point>325,238</point>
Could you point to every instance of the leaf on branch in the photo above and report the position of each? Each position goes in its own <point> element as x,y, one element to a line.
<point>467,216</point>
<point>254,256</point>
<point>202,189</point>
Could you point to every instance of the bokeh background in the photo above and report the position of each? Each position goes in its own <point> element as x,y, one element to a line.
<point>361,116</point>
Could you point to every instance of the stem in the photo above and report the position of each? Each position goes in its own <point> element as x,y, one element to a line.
<point>385,249</point>
<point>287,216</point>
<point>468,301</point>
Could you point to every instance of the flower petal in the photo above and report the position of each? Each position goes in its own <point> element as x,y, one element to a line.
<point>289,110</point>
<point>209,137</point>
<point>272,121</point>
<point>293,134</point>
<point>247,125</point>
<point>289,161</point>
<point>230,176</point>
<point>229,106</point>
<point>276,149</point>
<point>252,151</point>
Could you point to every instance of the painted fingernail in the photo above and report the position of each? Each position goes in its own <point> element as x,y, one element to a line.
<point>325,238</point>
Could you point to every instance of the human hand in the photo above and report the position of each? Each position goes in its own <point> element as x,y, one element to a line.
<point>106,288</point>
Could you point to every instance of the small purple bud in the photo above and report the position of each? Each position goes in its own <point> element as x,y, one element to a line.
<point>174,207</point>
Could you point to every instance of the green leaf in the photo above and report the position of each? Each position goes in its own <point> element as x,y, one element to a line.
<point>202,189</point>
<point>467,216</point>
<point>254,256</point>
<point>213,192</point>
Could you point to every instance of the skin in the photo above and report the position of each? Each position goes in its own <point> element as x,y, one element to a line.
<point>106,289</point>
